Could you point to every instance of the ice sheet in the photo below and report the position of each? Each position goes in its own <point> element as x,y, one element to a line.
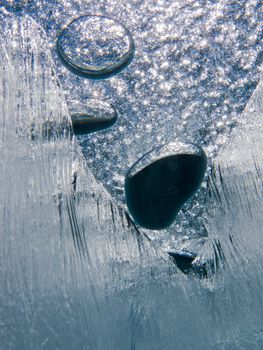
<point>74,271</point>
<point>65,245</point>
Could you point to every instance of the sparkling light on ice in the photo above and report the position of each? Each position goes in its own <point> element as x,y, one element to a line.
<point>75,272</point>
<point>95,45</point>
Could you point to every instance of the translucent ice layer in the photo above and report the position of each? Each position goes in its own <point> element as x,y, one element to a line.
<point>74,271</point>
<point>196,64</point>
<point>64,242</point>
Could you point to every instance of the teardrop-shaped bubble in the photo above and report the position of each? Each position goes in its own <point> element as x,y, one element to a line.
<point>191,264</point>
<point>94,115</point>
<point>95,45</point>
<point>183,261</point>
<point>159,183</point>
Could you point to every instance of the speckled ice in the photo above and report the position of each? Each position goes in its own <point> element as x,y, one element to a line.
<point>194,69</point>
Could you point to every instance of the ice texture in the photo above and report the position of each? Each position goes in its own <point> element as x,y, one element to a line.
<point>74,271</point>
<point>196,63</point>
<point>66,247</point>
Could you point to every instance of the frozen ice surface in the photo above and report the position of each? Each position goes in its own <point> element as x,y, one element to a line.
<point>195,66</point>
<point>236,184</point>
<point>74,272</point>
<point>65,245</point>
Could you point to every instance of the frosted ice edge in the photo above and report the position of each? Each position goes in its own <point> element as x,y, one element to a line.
<point>235,210</point>
<point>65,245</point>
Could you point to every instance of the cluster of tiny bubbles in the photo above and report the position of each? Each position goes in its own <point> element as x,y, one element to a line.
<point>195,66</point>
<point>14,5</point>
<point>95,45</point>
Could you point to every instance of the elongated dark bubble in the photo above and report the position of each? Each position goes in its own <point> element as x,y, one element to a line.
<point>95,46</point>
<point>94,116</point>
<point>85,124</point>
<point>160,183</point>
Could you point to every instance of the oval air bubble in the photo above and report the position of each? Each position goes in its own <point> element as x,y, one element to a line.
<point>95,46</point>
<point>95,115</point>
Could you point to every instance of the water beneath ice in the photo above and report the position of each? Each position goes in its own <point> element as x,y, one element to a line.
<point>74,271</point>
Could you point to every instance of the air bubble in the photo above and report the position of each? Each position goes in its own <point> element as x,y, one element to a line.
<point>95,46</point>
<point>93,116</point>
<point>162,181</point>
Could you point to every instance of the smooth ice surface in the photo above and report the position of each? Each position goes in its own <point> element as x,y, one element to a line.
<point>74,272</point>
